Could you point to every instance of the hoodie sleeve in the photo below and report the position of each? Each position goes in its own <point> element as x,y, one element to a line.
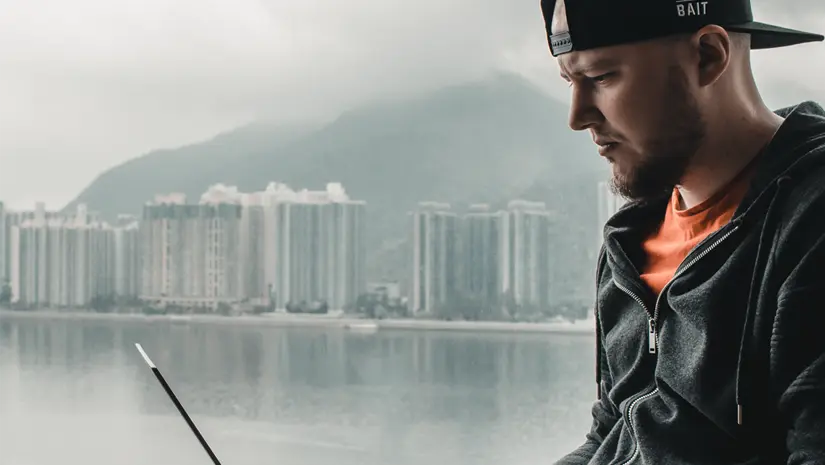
<point>605,415</point>
<point>798,349</point>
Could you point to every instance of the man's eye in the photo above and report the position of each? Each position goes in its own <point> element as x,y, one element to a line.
<point>601,77</point>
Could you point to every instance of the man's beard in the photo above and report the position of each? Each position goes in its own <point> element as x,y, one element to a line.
<point>667,155</point>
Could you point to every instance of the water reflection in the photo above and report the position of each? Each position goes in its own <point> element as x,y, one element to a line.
<point>313,395</point>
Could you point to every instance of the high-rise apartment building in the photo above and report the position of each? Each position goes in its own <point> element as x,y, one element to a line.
<point>526,253</point>
<point>320,248</point>
<point>483,270</point>
<point>302,248</point>
<point>11,218</point>
<point>189,253</point>
<point>270,248</point>
<point>256,250</point>
<point>435,256</point>
<point>218,228</point>
<point>61,262</point>
<point>491,257</point>
<point>127,257</point>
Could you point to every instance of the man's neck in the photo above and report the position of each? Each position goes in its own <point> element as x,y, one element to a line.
<point>725,153</point>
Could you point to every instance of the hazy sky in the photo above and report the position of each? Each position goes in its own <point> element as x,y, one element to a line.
<point>88,84</point>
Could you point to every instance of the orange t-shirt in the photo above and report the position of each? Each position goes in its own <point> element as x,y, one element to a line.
<point>682,230</point>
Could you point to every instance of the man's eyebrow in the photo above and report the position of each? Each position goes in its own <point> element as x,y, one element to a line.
<point>595,65</point>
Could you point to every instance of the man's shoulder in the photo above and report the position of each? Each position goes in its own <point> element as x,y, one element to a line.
<point>803,178</point>
<point>805,188</point>
<point>801,219</point>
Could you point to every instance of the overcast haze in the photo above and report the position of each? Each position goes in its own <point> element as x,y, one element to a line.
<point>88,84</point>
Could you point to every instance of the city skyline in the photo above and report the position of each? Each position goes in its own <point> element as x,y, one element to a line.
<point>275,248</point>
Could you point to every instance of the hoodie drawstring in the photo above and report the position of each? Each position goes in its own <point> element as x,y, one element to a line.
<point>762,253</point>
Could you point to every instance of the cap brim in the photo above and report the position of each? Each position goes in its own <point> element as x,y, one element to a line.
<point>770,36</point>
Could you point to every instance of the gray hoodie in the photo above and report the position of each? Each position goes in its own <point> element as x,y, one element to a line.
<point>727,365</point>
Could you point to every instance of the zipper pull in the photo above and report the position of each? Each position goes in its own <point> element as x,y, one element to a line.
<point>651,335</point>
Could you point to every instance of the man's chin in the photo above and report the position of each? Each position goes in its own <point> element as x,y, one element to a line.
<point>631,191</point>
<point>619,176</point>
<point>624,186</point>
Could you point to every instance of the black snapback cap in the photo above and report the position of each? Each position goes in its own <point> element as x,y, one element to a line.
<point>602,23</point>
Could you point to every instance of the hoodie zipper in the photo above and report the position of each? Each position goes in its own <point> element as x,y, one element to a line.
<point>653,327</point>
<point>653,318</point>
<point>653,335</point>
<point>631,407</point>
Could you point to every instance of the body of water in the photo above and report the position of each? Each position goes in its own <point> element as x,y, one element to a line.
<point>77,392</point>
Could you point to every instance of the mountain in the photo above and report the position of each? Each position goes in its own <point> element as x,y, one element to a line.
<point>126,187</point>
<point>486,141</point>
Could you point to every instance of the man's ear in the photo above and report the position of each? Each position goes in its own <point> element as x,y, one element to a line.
<point>712,47</point>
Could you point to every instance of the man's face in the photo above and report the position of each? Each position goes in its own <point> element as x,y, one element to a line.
<point>637,103</point>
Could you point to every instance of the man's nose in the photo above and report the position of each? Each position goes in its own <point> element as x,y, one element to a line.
<point>583,112</point>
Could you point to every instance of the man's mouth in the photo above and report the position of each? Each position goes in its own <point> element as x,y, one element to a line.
<point>607,147</point>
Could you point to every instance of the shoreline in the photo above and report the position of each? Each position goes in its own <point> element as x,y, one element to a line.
<point>580,327</point>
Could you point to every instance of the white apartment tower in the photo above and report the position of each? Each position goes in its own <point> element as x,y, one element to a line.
<point>256,250</point>
<point>525,253</point>
<point>127,257</point>
<point>320,247</point>
<point>189,253</point>
<point>483,269</point>
<point>435,256</point>
<point>220,213</point>
<point>10,219</point>
<point>268,248</point>
<point>61,262</point>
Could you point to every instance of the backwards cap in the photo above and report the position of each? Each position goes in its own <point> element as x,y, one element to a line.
<point>589,24</point>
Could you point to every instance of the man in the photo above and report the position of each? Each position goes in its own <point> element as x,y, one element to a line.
<point>711,284</point>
